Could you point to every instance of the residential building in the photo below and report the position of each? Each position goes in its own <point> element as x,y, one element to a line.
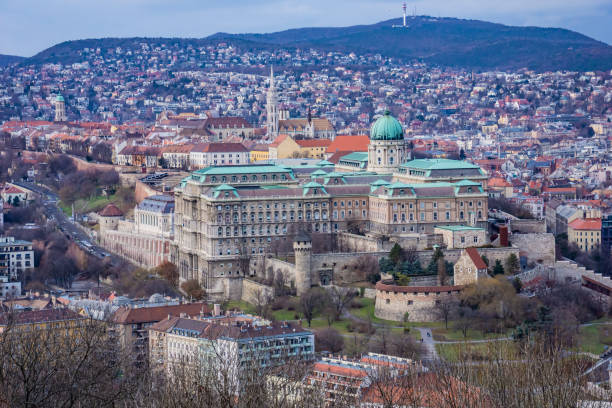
<point>177,156</point>
<point>342,379</point>
<point>283,147</point>
<point>227,344</point>
<point>130,324</point>
<point>10,192</point>
<point>16,258</point>
<point>218,154</point>
<point>259,152</point>
<point>585,233</point>
<point>52,319</point>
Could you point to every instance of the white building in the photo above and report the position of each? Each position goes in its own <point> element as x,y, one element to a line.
<point>16,257</point>
<point>218,154</point>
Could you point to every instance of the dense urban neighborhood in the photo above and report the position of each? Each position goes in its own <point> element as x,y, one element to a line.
<point>200,224</point>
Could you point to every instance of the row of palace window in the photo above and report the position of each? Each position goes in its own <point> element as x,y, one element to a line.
<point>261,230</point>
<point>423,216</point>
<point>244,178</point>
<point>269,216</point>
<point>268,206</point>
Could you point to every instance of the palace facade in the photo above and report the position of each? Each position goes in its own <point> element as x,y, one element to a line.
<point>228,217</point>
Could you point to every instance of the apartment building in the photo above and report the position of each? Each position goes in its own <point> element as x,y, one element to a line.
<point>16,257</point>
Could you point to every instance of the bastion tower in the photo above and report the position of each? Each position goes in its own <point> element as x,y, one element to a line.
<point>302,248</point>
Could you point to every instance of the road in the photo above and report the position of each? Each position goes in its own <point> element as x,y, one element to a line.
<point>72,231</point>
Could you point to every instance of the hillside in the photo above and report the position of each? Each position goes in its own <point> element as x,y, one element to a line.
<point>469,44</point>
<point>9,59</point>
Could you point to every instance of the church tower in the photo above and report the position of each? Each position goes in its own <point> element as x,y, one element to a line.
<point>60,109</point>
<point>272,108</point>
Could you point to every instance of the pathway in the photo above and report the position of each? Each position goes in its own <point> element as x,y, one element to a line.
<point>429,345</point>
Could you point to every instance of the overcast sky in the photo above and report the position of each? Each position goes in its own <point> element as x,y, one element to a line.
<point>29,26</point>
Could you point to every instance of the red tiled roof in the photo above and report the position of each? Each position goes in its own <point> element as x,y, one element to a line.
<point>358,143</point>
<point>340,370</point>
<point>279,139</point>
<point>39,316</point>
<point>228,122</point>
<point>313,142</point>
<point>126,315</point>
<point>475,257</point>
<point>111,210</point>
<point>224,148</point>
<point>420,289</point>
<point>590,224</point>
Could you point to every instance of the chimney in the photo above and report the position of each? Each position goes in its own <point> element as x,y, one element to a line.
<point>216,309</point>
<point>503,235</point>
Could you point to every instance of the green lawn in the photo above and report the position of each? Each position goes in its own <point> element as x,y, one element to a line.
<point>242,305</point>
<point>478,351</point>
<point>93,204</point>
<point>450,334</point>
<point>593,339</point>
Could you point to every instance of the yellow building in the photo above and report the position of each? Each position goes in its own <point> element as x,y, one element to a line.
<point>259,152</point>
<point>313,148</point>
<point>283,147</point>
<point>585,232</point>
<point>49,319</point>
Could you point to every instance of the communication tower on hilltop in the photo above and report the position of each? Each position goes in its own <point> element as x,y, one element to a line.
<point>404,18</point>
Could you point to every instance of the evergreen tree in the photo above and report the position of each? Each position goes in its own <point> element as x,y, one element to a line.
<point>498,269</point>
<point>461,154</point>
<point>386,265</point>
<point>396,254</point>
<point>512,264</point>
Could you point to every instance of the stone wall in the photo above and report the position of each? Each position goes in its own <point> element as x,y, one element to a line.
<point>254,292</point>
<point>527,226</point>
<point>358,243</point>
<point>273,265</point>
<point>393,302</point>
<point>142,191</point>
<point>537,247</point>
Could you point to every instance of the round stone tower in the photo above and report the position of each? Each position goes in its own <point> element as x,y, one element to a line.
<point>109,217</point>
<point>302,248</point>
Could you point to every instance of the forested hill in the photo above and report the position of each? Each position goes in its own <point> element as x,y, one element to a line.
<point>469,44</point>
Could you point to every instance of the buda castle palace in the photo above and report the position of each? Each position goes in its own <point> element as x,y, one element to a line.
<point>228,219</point>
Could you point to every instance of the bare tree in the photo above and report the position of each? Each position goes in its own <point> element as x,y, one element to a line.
<point>310,303</point>
<point>339,298</point>
<point>445,309</point>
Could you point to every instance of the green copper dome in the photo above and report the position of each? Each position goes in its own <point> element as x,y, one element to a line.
<point>59,98</point>
<point>386,128</point>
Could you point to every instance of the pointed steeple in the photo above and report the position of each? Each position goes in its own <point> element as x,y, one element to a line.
<point>271,76</point>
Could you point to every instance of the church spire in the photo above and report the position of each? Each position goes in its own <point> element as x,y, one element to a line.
<point>272,108</point>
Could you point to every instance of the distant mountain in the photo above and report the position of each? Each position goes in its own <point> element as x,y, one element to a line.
<point>469,44</point>
<point>9,59</point>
